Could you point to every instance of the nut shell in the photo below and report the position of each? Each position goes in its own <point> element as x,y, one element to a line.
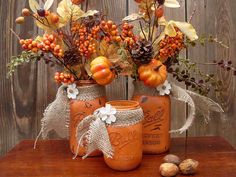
<point>168,169</point>
<point>188,167</point>
<point>171,158</point>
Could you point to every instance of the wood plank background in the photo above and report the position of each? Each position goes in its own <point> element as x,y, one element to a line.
<point>24,97</point>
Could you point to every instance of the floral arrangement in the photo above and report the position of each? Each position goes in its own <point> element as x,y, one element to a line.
<point>89,46</point>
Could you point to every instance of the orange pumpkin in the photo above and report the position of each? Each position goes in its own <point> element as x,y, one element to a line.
<point>153,74</point>
<point>101,72</point>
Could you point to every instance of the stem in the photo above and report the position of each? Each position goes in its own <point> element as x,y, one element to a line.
<point>149,21</point>
<point>154,20</point>
<point>58,59</point>
<point>87,3</point>
<point>13,32</point>
<point>141,27</point>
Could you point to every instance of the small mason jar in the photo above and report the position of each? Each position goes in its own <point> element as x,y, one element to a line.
<point>126,136</point>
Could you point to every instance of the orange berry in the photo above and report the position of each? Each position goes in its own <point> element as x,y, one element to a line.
<point>40,46</point>
<point>51,38</point>
<point>24,46</point>
<point>47,42</point>
<point>47,47</point>
<point>52,45</point>
<point>30,46</point>
<point>22,41</point>
<point>35,50</point>
<point>54,18</point>
<point>34,44</point>
<point>25,12</point>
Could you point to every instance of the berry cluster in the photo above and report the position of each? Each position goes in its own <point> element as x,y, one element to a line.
<point>127,34</point>
<point>65,78</point>
<point>30,44</point>
<point>49,44</point>
<point>86,42</point>
<point>170,46</point>
<point>75,27</point>
<point>226,65</point>
<point>111,31</point>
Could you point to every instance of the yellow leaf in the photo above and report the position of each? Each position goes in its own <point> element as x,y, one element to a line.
<point>170,30</point>
<point>172,3</point>
<point>185,28</point>
<point>47,25</point>
<point>132,17</point>
<point>34,5</point>
<point>87,69</point>
<point>67,10</point>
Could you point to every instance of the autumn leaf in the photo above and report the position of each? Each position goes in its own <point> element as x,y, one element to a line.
<point>69,11</point>
<point>132,17</point>
<point>34,5</point>
<point>87,69</point>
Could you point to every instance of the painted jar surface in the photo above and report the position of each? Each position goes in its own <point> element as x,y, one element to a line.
<point>126,136</point>
<point>91,97</point>
<point>156,124</point>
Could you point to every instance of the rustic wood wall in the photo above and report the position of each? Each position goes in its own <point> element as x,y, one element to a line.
<point>24,97</point>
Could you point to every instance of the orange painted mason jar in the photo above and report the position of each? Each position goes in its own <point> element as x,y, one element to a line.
<point>126,136</point>
<point>156,124</point>
<point>91,97</point>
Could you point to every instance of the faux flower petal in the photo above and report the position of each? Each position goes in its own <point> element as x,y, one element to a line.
<point>112,118</point>
<point>104,117</point>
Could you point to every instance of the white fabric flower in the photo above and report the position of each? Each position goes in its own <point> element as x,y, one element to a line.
<point>164,89</point>
<point>72,91</point>
<point>107,114</point>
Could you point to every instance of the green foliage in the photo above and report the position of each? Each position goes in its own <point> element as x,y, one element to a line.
<point>24,57</point>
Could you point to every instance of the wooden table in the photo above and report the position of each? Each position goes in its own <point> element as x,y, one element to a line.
<point>53,158</point>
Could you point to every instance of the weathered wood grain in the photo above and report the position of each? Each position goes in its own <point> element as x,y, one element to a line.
<point>24,97</point>
<point>216,18</point>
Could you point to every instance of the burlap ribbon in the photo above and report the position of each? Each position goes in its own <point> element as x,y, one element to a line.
<point>57,115</point>
<point>94,131</point>
<point>195,102</point>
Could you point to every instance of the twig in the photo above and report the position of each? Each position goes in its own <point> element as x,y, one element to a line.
<point>87,3</point>
<point>149,21</point>
<point>13,32</point>
<point>60,61</point>
<point>194,11</point>
<point>141,27</point>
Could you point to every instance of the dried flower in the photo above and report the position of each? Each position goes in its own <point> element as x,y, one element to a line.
<point>72,91</point>
<point>107,114</point>
<point>164,89</point>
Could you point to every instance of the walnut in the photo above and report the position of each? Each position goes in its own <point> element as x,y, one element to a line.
<point>168,169</point>
<point>188,167</point>
<point>171,158</point>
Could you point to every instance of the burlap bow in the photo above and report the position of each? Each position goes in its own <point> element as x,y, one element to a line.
<point>93,130</point>
<point>195,102</point>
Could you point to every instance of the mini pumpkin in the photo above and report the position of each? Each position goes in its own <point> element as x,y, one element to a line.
<point>153,74</point>
<point>101,70</point>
